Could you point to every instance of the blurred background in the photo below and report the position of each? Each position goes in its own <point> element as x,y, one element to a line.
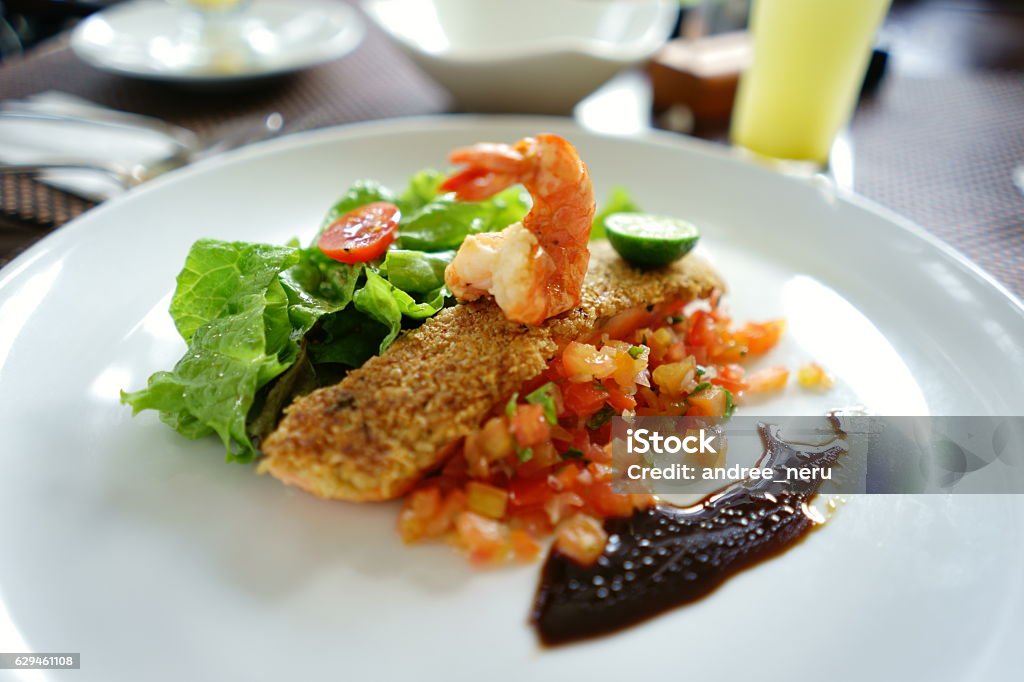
<point>915,104</point>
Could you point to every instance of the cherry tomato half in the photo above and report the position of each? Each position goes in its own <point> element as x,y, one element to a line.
<point>362,234</point>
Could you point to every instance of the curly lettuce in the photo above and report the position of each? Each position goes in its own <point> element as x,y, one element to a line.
<point>264,324</point>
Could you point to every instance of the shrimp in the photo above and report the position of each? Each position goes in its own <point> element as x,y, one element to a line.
<point>534,270</point>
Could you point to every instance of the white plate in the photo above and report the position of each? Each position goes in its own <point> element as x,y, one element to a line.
<point>156,560</point>
<point>166,41</point>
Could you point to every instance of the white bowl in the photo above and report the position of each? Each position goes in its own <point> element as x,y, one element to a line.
<point>538,56</point>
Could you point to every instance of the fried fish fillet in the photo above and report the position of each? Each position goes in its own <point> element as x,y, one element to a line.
<point>372,436</point>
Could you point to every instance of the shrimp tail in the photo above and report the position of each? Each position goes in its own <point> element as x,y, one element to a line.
<point>533,269</point>
<point>476,184</point>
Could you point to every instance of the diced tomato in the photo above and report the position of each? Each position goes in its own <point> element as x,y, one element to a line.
<point>583,362</point>
<point>483,538</point>
<point>760,337</point>
<point>522,477</point>
<point>605,502</point>
<point>675,352</point>
<point>419,507</point>
<point>454,504</point>
<point>566,478</point>
<point>455,468</point>
<point>562,505</point>
<point>541,457</point>
<point>531,519</point>
<point>727,350</point>
<point>597,453</point>
<point>530,426</point>
<point>767,380</point>
<point>426,514</point>
<point>363,234</point>
<point>702,330</point>
<point>561,434</point>
<point>524,546</point>
<point>619,400</point>
<point>583,399</point>
<point>526,492</point>
<point>730,377</point>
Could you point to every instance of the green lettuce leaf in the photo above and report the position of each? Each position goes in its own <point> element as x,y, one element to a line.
<point>218,275</point>
<point>317,286</point>
<point>301,378</point>
<point>443,222</point>
<point>423,188</point>
<point>348,338</point>
<point>230,355</point>
<point>509,206</point>
<point>415,271</point>
<point>386,303</point>
<point>619,201</point>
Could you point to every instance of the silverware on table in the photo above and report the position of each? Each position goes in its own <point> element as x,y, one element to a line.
<point>189,146</point>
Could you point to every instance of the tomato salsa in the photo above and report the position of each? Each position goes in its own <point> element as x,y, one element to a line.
<point>541,465</point>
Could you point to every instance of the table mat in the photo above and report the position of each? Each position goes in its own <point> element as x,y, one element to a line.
<point>375,81</point>
<point>942,152</point>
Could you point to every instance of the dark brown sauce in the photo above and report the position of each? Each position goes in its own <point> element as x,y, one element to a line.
<point>668,556</point>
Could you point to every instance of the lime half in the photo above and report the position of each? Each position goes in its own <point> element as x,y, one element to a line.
<point>650,241</point>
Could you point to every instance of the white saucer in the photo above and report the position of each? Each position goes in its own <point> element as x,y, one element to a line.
<point>164,41</point>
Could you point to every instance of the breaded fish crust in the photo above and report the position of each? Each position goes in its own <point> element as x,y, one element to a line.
<point>372,436</point>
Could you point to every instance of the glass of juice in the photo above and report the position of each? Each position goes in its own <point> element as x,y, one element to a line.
<point>216,5</point>
<point>809,62</point>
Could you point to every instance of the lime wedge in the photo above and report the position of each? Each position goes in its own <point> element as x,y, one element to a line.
<point>650,241</point>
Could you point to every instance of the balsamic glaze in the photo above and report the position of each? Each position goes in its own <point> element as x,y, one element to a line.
<point>666,556</point>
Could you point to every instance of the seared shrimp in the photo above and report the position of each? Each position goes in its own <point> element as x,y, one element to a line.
<point>533,269</point>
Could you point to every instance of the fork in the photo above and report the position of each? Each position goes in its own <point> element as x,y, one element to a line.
<point>191,147</point>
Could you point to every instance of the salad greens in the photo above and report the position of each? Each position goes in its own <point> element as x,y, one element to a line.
<point>265,324</point>
<point>619,201</point>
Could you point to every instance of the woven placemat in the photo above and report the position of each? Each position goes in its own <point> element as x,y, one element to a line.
<point>938,150</point>
<point>373,82</point>
<point>942,151</point>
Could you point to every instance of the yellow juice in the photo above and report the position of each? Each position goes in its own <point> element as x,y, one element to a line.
<point>809,61</point>
<point>214,4</point>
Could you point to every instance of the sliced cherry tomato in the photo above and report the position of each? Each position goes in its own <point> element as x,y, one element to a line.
<point>362,234</point>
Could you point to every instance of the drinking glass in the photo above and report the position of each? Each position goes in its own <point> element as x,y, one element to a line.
<point>809,62</point>
<point>216,6</point>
